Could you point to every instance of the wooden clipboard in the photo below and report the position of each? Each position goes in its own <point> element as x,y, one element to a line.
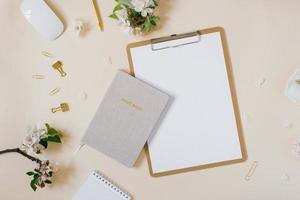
<point>232,90</point>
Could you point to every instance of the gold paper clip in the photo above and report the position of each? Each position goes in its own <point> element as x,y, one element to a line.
<point>251,171</point>
<point>38,76</point>
<point>58,66</point>
<point>47,54</point>
<point>54,91</point>
<point>298,81</point>
<point>64,107</point>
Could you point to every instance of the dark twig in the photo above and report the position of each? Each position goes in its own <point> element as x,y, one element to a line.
<point>17,150</point>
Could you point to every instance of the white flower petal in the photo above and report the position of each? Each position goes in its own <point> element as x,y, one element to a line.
<point>144,13</point>
<point>28,141</point>
<point>122,15</point>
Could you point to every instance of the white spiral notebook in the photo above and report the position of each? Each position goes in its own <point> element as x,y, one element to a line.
<point>98,186</point>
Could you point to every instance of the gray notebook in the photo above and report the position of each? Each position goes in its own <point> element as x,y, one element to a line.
<point>125,118</point>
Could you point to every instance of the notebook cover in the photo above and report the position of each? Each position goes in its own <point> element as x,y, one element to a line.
<point>125,118</point>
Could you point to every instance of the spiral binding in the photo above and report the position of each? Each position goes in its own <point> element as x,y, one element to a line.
<point>110,184</point>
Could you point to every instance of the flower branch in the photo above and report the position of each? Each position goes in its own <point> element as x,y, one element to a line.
<point>17,150</point>
<point>35,143</point>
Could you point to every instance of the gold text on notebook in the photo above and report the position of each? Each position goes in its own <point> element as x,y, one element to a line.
<point>132,104</point>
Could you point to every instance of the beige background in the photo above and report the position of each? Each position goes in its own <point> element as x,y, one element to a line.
<point>263,37</point>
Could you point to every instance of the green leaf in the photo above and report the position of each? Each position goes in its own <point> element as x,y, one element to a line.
<point>125,3</point>
<point>36,176</point>
<point>44,143</point>
<point>148,26</point>
<point>150,23</point>
<point>50,130</point>
<point>33,184</point>
<point>30,173</point>
<point>154,20</point>
<point>48,181</point>
<point>114,16</point>
<point>118,7</point>
<point>53,138</point>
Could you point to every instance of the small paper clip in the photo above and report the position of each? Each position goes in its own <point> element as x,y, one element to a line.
<point>251,171</point>
<point>64,107</point>
<point>54,91</point>
<point>38,76</point>
<point>58,66</point>
<point>47,54</point>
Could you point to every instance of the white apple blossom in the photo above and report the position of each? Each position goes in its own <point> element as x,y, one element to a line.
<point>31,142</point>
<point>140,5</point>
<point>146,11</point>
<point>123,17</point>
<point>144,7</point>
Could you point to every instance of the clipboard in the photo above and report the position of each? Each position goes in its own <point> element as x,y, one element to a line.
<point>177,44</point>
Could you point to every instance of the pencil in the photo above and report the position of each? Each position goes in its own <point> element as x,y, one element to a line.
<point>97,11</point>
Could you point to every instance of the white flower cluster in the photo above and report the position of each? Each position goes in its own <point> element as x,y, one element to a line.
<point>145,7</point>
<point>123,17</point>
<point>46,170</point>
<point>31,144</point>
<point>42,174</point>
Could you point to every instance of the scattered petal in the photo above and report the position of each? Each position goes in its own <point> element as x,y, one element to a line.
<point>296,148</point>
<point>77,27</point>
<point>288,125</point>
<point>83,95</point>
<point>107,60</point>
<point>260,82</point>
<point>246,117</point>
<point>285,177</point>
<point>292,90</point>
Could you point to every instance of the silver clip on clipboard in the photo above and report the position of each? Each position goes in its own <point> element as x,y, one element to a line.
<point>169,41</point>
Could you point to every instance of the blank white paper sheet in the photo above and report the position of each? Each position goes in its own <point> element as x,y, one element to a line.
<point>199,127</point>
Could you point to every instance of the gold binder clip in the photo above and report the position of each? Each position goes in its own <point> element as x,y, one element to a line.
<point>298,81</point>
<point>58,66</point>
<point>64,107</point>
